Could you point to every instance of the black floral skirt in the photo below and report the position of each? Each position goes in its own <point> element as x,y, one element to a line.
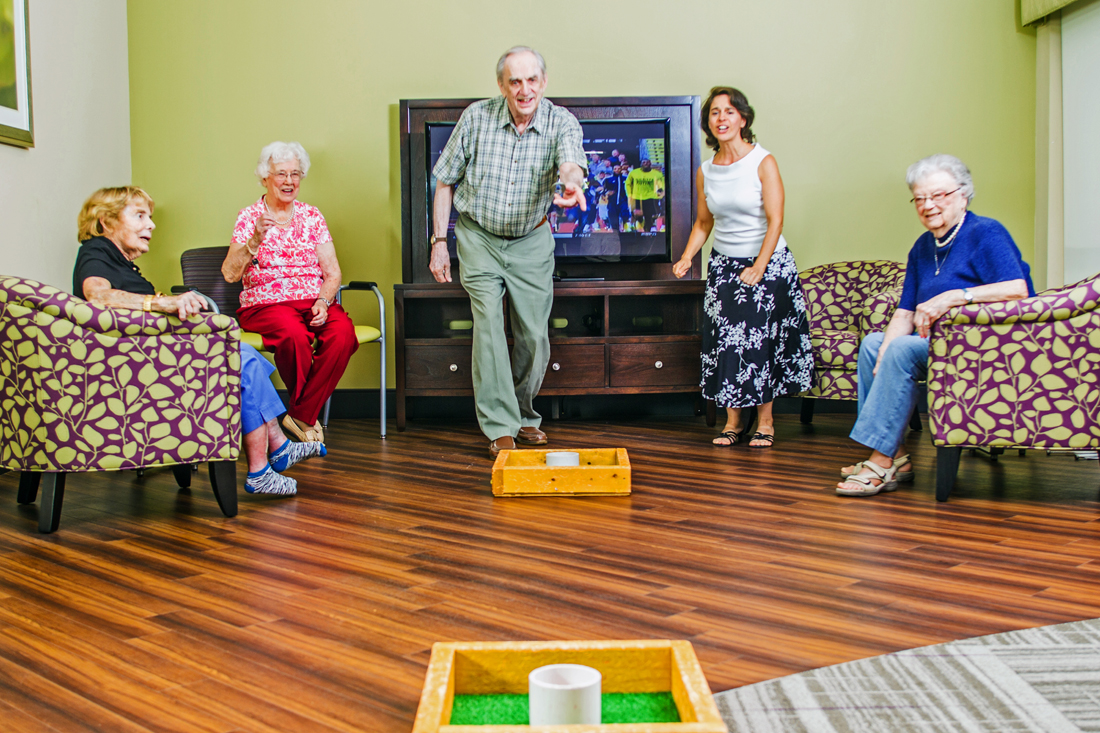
<point>756,341</point>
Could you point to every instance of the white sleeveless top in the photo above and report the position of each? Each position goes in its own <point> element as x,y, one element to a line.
<point>734,198</point>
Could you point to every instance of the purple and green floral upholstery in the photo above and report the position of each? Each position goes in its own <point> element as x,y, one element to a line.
<point>1018,374</point>
<point>845,301</point>
<point>94,389</point>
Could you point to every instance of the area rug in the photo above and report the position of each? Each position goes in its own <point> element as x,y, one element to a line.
<point>1042,679</point>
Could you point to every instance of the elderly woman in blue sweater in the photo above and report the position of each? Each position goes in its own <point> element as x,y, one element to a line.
<point>963,258</point>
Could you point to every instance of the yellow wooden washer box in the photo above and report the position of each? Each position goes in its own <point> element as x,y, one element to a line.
<point>489,668</point>
<point>602,471</point>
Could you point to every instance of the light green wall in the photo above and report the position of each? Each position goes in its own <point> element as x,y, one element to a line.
<point>847,93</point>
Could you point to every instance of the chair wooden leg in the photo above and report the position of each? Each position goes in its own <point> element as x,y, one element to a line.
<point>223,479</point>
<point>712,413</point>
<point>914,422</point>
<point>807,410</point>
<point>182,472</point>
<point>947,466</point>
<point>28,486</point>
<point>49,511</point>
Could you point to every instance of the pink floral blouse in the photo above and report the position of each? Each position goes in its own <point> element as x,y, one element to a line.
<point>285,267</point>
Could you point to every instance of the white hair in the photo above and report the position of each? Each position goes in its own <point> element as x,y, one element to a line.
<point>280,152</point>
<point>513,51</point>
<point>941,162</point>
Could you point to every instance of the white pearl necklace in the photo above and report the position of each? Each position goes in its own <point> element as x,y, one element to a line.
<point>940,245</point>
<point>286,222</point>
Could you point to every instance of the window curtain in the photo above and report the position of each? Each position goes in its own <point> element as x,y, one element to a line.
<point>1033,10</point>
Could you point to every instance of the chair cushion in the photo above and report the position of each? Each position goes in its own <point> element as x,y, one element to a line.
<point>363,334</point>
<point>366,334</point>
<point>834,348</point>
<point>253,339</point>
<point>834,384</point>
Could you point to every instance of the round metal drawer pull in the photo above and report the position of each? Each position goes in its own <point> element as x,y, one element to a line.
<point>659,364</point>
<point>454,367</point>
<point>555,366</point>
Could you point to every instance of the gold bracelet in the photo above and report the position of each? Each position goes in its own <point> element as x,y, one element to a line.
<point>250,250</point>
<point>147,304</point>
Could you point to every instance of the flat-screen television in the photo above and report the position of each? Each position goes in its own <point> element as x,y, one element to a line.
<point>626,219</point>
<point>643,154</point>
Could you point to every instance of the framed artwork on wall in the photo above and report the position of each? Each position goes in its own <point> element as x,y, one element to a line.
<point>16,121</point>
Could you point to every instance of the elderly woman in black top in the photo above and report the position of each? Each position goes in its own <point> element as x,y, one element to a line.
<point>114,228</point>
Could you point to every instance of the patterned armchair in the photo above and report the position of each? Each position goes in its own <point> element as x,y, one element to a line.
<point>91,389</point>
<point>845,301</point>
<point>1019,374</point>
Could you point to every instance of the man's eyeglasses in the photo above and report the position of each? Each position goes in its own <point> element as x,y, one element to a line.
<point>281,176</point>
<point>936,198</point>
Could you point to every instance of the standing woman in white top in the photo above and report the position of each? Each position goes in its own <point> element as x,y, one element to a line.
<point>756,344</point>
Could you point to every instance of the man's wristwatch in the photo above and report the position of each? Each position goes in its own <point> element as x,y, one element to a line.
<point>968,295</point>
<point>437,238</point>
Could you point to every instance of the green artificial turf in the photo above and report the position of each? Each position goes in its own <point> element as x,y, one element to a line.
<point>618,707</point>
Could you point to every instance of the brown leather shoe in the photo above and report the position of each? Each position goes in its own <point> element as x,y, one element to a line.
<point>532,436</point>
<point>505,443</point>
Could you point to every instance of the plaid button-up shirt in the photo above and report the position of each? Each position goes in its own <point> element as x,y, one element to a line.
<point>505,181</point>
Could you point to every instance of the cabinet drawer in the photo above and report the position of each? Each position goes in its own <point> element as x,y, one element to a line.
<point>575,365</point>
<point>438,367</point>
<point>655,365</point>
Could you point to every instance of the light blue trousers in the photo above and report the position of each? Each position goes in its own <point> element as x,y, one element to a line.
<point>886,400</point>
<point>259,400</point>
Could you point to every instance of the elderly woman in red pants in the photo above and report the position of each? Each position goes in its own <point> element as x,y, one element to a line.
<point>283,252</point>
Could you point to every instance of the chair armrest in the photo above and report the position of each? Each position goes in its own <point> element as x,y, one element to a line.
<point>368,285</point>
<point>123,322</point>
<point>1057,305</point>
<point>30,296</point>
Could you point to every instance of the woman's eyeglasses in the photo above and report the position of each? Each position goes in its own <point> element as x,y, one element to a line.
<point>936,198</point>
<point>281,176</point>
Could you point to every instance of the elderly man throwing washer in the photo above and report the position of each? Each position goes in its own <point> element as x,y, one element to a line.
<point>500,168</point>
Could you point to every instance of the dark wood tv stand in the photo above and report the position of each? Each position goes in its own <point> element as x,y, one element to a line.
<point>636,332</point>
<point>619,337</point>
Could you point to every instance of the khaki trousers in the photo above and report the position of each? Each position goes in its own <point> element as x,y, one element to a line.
<point>505,389</point>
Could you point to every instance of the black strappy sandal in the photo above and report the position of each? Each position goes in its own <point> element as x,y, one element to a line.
<point>770,439</point>
<point>732,436</point>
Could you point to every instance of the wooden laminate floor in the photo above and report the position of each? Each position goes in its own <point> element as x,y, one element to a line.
<point>149,611</point>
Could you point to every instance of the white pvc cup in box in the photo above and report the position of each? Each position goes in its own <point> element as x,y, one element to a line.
<point>563,458</point>
<point>562,694</point>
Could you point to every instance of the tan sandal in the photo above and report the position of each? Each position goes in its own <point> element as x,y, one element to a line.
<point>318,432</point>
<point>863,485</point>
<point>902,476</point>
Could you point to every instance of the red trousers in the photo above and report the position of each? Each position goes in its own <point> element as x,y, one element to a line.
<point>310,376</point>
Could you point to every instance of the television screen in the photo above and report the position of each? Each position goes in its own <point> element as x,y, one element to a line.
<point>627,216</point>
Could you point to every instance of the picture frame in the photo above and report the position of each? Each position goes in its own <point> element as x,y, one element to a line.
<point>16,117</point>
